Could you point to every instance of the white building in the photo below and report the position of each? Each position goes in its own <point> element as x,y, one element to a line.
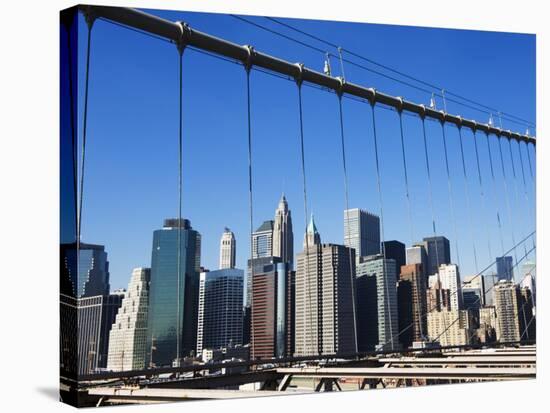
<point>450,328</point>
<point>450,280</point>
<point>228,248</point>
<point>507,311</point>
<point>128,336</point>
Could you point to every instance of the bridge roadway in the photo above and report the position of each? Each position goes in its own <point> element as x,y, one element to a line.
<point>373,372</point>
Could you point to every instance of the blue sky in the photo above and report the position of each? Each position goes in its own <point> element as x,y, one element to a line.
<point>132,161</point>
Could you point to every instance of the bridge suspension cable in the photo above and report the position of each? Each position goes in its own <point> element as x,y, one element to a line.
<point>346,195</point>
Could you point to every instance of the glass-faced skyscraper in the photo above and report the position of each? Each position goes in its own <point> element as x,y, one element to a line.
<point>439,252</point>
<point>173,299</point>
<point>505,268</point>
<point>361,232</point>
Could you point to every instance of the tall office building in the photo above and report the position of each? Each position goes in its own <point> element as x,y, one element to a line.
<point>528,277</point>
<point>412,306</point>
<point>450,280</point>
<point>111,305</point>
<point>283,238</point>
<point>173,297</point>
<point>377,324</point>
<point>476,282</point>
<point>417,255</point>
<point>324,317</point>
<point>395,250</point>
<point>506,296</point>
<point>262,240</point>
<point>272,309</point>
<point>527,322</point>
<point>128,335</point>
<point>438,252</point>
<point>220,313</point>
<point>228,249</point>
<point>85,307</point>
<point>505,268</point>
<point>361,232</point>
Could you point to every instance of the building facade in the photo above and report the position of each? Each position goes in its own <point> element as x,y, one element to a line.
<point>228,249</point>
<point>128,335</point>
<point>220,314</point>
<point>324,309</point>
<point>505,268</point>
<point>438,252</point>
<point>506,296</point>
<point>173,297</point>
<point>272,309</point>
<point>377,324</point>
<point>283,237</point>
<point>361,232</point>
<point>412,305</point>
<point>450,328</point>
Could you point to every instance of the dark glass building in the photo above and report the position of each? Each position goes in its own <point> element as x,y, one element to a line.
<point>395,250</point>
<point>439,252</point>
<point>173,299</point>
<point>505,268</point>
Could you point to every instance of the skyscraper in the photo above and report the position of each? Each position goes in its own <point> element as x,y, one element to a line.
<point>283,238</point>
<point>262,240</point>
<point>528,277</point>
<point>272,317</point>
<point>128,336</point>
<point>324,314</point>
<point>85,307</point>
<point>450,280</point>
<point>395,250</point>
<point>506,296</point>
<point>417,255</point>
<point>228,249</point>
<point>173,298</point>
<point>220,314</point>
<point>361,232</point>
<point>378,327</point>
<point>505,268</point>
<point>412,307</point>
<point>450,328</point>
<point>438,252</point>
<point>311,237</point>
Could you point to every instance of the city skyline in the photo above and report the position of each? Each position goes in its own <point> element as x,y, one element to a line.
<point>225,176</point>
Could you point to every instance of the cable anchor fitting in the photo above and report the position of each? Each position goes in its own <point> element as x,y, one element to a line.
<point>340,90</point>
<point>372,98</point>
<point>299,75</point>
<point>459,125</point>
<point>422,113</point>
<point>399,105</point>
<point>185,36</point>
<point>248,62</point>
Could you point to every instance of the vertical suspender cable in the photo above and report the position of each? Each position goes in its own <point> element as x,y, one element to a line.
<point>450,188</point>
<point>507,196</point>
<point>468,202</point>
<point>248,67</point>
<point>379,185</point>
<point>427,159</point>
<point>494,189</point>
<point>346,193</point>
<point>409,209</point>
<point>515,181</point>
<point>482,196</point>
<point>303,168</point>
<point>74,142</point>
<point>525,183</point>
<point>90,22</point>
<point>180,179</point>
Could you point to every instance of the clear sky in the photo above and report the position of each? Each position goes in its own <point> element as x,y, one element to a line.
<point>132,161</point>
